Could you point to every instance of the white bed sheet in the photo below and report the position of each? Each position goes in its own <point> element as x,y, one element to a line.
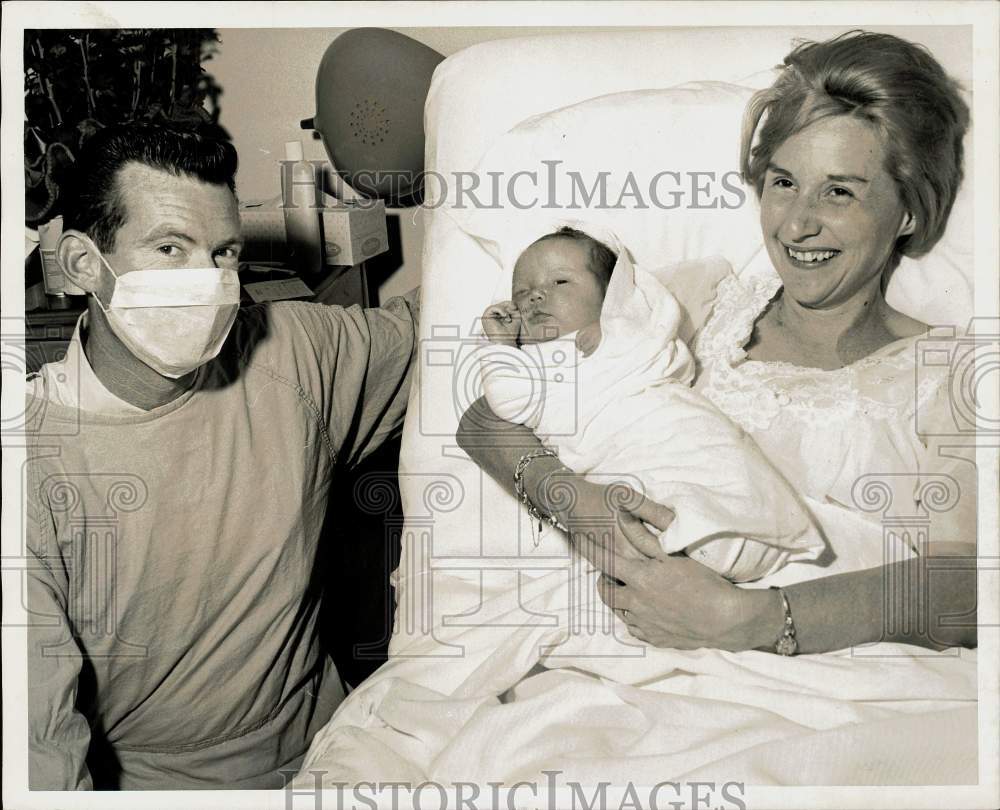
<point>434,711</point>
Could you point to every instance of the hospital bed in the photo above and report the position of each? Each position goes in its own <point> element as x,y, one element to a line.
<point>445,706</point>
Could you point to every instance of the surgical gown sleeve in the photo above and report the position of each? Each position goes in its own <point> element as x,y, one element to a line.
<point>58,734</point>
<point>357,367</point>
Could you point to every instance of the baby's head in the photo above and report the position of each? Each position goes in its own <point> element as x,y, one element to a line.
<point>559,284</point>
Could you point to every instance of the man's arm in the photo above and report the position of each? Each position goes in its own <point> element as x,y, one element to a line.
<point>354,365</point>
<point>58,734</point>
<point>392,358</point>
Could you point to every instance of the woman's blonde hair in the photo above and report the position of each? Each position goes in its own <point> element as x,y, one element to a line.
<point>894,85</point>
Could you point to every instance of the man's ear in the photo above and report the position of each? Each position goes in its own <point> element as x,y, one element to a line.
<point>907,226</point>
<point>79,260</point>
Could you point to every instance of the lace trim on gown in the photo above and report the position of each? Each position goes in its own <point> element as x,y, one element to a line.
<point>754,392</point>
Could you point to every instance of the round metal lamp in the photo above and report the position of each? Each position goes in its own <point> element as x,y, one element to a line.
<point>370,92</point>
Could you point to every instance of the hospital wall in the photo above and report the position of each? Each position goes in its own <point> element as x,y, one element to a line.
<point>268,79</point>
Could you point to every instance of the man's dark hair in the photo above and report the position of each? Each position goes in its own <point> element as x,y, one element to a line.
<point>95,203</point>
<point>602,258</point>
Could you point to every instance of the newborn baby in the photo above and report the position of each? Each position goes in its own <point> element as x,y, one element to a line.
<point>586,354</point>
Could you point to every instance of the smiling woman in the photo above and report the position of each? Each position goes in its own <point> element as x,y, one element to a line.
<point>850,178</point>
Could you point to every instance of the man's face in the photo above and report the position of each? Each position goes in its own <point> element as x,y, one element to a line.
<point>172,221</point>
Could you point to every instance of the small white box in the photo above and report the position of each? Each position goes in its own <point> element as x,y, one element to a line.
<point>354,232</point>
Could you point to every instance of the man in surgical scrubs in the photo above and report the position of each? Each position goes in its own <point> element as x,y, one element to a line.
<point>177,483</point>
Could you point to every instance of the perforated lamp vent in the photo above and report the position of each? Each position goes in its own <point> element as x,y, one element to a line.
<point>370,92</point>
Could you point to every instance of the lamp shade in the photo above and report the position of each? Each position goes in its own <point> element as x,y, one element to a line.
<point>370,92</point>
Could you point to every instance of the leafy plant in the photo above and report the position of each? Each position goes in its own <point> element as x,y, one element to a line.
<point>77,81</point>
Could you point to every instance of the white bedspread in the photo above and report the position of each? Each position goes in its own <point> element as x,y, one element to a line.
<point>465,702</point>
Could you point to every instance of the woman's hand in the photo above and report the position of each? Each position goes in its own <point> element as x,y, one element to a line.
<point>671,600</point>
<point>589,509</point>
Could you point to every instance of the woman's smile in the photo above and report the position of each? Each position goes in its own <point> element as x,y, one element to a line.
<point>810,258</point>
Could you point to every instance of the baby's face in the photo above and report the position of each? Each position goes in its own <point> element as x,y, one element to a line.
<point>555,290</point>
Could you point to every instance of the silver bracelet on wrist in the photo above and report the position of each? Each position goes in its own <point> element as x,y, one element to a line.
<point>786,644</point>
<point>522,496</point>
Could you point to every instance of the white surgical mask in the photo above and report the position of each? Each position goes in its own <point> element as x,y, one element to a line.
<point>173,319</point>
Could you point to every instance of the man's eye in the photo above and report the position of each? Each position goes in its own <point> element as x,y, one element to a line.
<point>228,253</point>
<point>562,281</point>
<point>169,250</point>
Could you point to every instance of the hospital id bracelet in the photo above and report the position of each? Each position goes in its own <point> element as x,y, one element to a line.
<point>786,643</point>
<point>522,496</point>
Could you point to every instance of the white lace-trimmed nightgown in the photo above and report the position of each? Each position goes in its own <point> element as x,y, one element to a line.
<point>869,446</point>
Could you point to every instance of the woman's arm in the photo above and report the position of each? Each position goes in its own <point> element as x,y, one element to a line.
<point>674,601</point>
<point>587,509</point>
<point>497,446</point>
<point>927,601</point>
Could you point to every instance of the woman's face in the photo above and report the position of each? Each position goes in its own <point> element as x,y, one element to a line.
<point>830,213</point>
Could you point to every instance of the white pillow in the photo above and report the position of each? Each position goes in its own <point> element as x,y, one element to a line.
<point>667,161</point>
<point>660,168</point>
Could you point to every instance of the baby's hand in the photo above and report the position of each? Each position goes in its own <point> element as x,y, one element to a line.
<point>589,338</point>
<point>502,323</point>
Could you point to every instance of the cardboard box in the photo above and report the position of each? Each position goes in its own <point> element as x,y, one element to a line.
<point>352,231</point>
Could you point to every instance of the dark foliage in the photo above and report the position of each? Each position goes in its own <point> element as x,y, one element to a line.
<point>77,81</point>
